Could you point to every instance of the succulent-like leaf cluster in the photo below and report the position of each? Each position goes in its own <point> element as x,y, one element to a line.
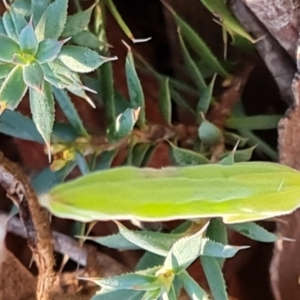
<point>35,57</point>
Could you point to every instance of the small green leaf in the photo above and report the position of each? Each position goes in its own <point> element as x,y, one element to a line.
<point>5,69</point>
<point>51,78</point>
<point>243,155</point>
<point>9,26</point>
<point>87,39</point>
<point>76,23</point>
<point>105,160</point>
<point>214,277</point>
<point>232,139</point>
<point>124,124</point>
<point>153,295</point>
<point>12,90</point>
<point>33,76</point>
<point>121,22</point>
<point>206,96</point>
<point>8,48</point>
<point>262,122</point>
<point>51,23</point>
<point>20,60</point>
<point>209,133</point>
<point>42,109</point>
<point>255,232</point>
<point>192,288</point>
<point>80,59</point>
<point>184,252</point>
<point>139,153</point>
<point>192,67</point>
<point>164,101</point>
<point>130,281</point>
<point>184,157</point>
<point>16,125</point>
<point>28,40</point>
<point>48,50</point>
<point>79,91</point>
<point>135,89</point>
<point>155,242</point>
<point>70,111</point>
<point>115,241</point>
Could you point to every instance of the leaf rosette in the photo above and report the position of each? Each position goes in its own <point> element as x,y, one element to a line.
<point>35,56</point>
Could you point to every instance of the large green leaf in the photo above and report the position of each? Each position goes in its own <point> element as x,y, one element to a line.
<point>237,193</point>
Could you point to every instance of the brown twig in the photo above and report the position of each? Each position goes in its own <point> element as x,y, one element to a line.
<point>36,221</point>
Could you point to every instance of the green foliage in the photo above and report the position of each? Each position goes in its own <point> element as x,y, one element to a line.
<point>50,57</point>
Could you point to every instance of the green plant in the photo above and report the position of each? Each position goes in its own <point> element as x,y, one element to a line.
<point>38,56</point>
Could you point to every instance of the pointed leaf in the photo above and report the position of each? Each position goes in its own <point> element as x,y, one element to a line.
<point>42,109</point>
<point>33,76</point>
<point>192,288</point>
<point>184,252</point>
<point>12,90</point>
<point>209,133</point>
<point>155,242</point>
<point>52,21</point>
<point>18,20</point>
<point>22,7</point>
<point>206,97</point>
<point>70,111</point>
<point>135,90</point>
<point>80,59</point>
<point>48,50</point>
<point>87,39</point>
<point>184,157</point>
<point>214,277</point>
<point>9,26</point>
<point>164,101</point>
<point>130,281</point>
<point>76,23</point>
<point>255,232</point>
<point>8,48</point>
<point>28,40</point>
<point>38,7</point>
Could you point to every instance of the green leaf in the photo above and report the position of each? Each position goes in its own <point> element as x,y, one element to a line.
<point>135,89</point>
<point>192,288</point>
<point>38,7</point>
<point>80,59</point>
<point>76,23</point>
<point>48,50</point>
<point>155,242</point>
<point>206,96</point>
<point>2,29</point>
<point>22,7</point>
<point>139,154</point>
<point>115,241</point>
<point>33,76</point>
<point>28,41</point>
<point>20,60</point>
<point>209,133</point>
<point>8,48</point>
<point>262,122</point>
<point>130,281</point>
<point>87,39</point>
<point>192,67</point>
<point>214,277</point>
<point>243,155</point>
<point>121,22</point>
<point>42,109</point>
<point>51,23</point>
<point>232,139</point>
<point>184,157</point>
<point>238,193</point>
<point>124,124</point>
<point>164,101</point>
<point>197,44</point>
<point>9,26</point>
<point>69,110</point>
<point>5,69</point>
<point>219,9</point>
<point>14,124</point>
<point>255,232</point>
<point>184,252</point>
<point>18,20</point>
<point>106,159</point>
<point>12,89</point>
